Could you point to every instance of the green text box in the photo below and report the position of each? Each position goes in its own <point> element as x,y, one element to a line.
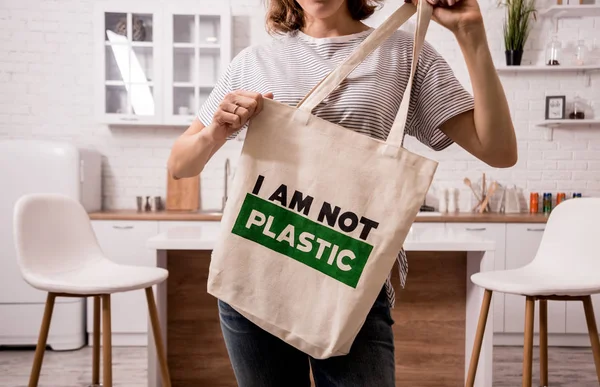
<point>282,217</point>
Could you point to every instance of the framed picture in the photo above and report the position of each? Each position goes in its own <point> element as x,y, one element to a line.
<point>555,107</point>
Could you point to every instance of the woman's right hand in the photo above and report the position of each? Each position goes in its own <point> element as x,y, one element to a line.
<point>236,109</point>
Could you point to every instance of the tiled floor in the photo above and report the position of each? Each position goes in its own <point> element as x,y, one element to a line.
<point>569,367</point>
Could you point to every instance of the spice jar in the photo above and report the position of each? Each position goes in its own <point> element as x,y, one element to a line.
<point>553,51</point>
<point>578,112</point>
<point>533,202</point>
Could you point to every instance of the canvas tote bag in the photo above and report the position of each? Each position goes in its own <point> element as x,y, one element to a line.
<point>318,213</point>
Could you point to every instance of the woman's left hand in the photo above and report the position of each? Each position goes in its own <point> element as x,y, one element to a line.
<point>457,15</point>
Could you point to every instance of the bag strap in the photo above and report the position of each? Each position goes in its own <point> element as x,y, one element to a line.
<point>328,84</point>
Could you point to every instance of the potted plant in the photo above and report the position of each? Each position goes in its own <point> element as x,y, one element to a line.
<point>517,26</point>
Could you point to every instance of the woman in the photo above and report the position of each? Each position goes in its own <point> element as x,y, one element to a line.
<point>318,35</point>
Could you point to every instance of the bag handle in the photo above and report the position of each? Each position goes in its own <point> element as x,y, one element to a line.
<point>328,84</point>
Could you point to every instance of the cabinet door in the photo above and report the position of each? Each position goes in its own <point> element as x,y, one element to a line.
<point>128,55</point>
<point>497,233</point>
<point>522,243</point>
<point>198,45</point>
<point>125,242</point>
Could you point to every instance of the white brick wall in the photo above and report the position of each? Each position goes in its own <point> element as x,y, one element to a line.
<point>46,60</point>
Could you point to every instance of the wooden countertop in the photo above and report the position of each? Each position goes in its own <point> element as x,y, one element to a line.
<point>216,216</point>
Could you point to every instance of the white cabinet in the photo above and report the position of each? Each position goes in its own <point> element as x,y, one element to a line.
<point>157,62</point>
<point>199,50</point>
<point>522,242</point>
<point>128,56</point>
<point>125,242</point>
<point>497,233</point>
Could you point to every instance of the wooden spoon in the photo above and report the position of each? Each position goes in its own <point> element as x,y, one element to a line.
<point>488,196</point>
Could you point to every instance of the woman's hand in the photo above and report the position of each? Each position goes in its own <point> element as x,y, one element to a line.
<point>457,15</point>
<point>236,109</point>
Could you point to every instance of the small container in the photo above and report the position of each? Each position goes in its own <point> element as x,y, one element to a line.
<point>553,49</point>
<point>560,197</point>
<point>578,112</point>
<point>140,203</point>
<point>451,200</point>
<point>547,203</point>
<point>580,53</point>
<point>534,198</point>
<point>442,201</point>
<point>576,195</point>
<point>148,206</point>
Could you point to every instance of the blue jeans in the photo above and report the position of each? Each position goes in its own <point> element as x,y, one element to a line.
<point>260,359</point>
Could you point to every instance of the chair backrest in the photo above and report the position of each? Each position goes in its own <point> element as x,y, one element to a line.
<point>52,233</point>
<point>571,240</point>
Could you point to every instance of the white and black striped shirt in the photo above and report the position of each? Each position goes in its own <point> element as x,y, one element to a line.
<point>366,102</point>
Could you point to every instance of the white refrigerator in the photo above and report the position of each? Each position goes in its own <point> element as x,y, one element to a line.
<point>32,166</point>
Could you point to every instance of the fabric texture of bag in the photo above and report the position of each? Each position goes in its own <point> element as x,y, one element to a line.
<point>317,213</point>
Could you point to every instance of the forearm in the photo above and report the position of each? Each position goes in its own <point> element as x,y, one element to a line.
<point>493,123</point>
<point>190,153</point>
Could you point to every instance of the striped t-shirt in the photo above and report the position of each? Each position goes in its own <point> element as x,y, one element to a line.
<point>366,102</point>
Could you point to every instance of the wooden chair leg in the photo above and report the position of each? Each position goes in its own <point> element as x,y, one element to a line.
<point>106,342</point>
<point>483,316</point>
<point>528,345</point>
<point>158,341</point>
<point>543,343</point>
<point>96,344</point>
<point>593,331</point>
<point>40,349</point>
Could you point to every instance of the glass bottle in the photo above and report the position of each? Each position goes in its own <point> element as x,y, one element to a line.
<point>553,51</point>
<point>578,112</point>
<point>580,53</point>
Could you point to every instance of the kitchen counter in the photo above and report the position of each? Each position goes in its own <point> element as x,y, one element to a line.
<point>423,217</point>
<point>435,317</point>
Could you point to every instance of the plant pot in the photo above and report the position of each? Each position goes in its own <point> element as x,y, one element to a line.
<point>513,57</point>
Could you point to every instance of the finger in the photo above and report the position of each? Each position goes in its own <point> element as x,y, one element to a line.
<point>226,118</point>
<point>246,93</point>
<point>261,103</point>
<point>249,104</point>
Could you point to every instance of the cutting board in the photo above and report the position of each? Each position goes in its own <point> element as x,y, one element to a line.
<point>183,194</point>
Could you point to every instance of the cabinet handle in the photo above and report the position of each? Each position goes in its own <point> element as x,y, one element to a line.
<point>128,119</point>
<point>476,229</point>
<point>123,227</point>
<point>535,229</point>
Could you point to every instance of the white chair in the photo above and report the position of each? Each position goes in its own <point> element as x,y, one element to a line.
<point>566,268</point>
<point>59,254</point>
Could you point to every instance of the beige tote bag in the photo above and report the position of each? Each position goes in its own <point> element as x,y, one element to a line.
<point>318,213</point>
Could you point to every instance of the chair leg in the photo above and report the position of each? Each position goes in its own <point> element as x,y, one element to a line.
<point>158,341</point>
<point>483,316</point>
<point>106,342</point>
<point>528,345</point>
<point>40,349</point>
<point>543,343</point>
<point>96,344</point>
<point>593,331</point>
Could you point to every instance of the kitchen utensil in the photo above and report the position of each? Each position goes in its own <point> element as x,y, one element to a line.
<point>183,194</point>
<point>468,183</point>
<point>487,196</point>
<point>148,206</point>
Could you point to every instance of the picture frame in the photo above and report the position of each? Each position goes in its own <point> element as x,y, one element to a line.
<point>556,106</point>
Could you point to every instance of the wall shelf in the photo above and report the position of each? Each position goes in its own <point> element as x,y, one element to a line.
<point>571,11</point>
<point>544,68</point>
<point>569,123</point>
